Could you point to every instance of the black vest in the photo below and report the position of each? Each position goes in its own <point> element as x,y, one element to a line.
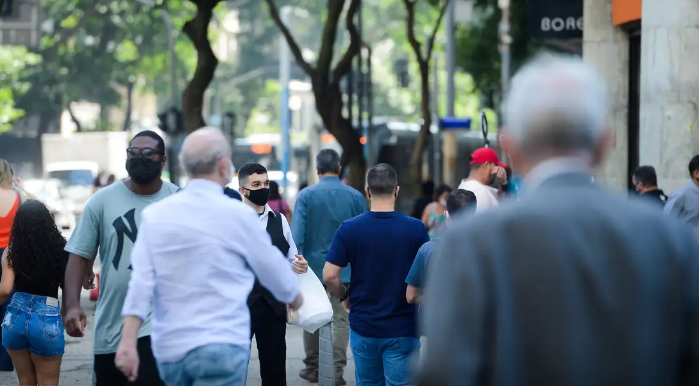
<point>259,293</point>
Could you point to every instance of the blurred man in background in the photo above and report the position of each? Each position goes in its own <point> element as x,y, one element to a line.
<point>486,168</point>
<point>319,211</point>
<point>683,203</point>
<point>645,182</point>
<point>421,202</point>
<point>459,202</point>
<point>570,285</point>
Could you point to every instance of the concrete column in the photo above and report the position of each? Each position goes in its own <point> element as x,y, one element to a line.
<point>669,133</point>
<point>326,362</point>
<point>607,49</point>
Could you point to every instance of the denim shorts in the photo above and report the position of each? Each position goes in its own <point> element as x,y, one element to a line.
<point>34,323</point>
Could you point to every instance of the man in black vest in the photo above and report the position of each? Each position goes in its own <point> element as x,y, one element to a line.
<point>267,315</point>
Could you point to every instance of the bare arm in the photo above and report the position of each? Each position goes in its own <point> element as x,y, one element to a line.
<point>413,295</point>
<point>8,278</point>
<point>426,214</point>
<point>73,282</point>
<point>331,277</point>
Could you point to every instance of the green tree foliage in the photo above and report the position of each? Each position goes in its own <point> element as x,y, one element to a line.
<point>96,50</point>
<point>477,44</point>
<point>13,60</point>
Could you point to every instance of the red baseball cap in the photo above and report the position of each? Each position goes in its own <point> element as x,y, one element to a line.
<point>486,154</point>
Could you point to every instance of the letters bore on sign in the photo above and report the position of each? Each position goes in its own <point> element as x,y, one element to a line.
<point>560,24</point>
<point>555,19</point>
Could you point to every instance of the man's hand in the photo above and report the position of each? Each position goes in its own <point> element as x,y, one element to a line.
<point>345,305</point>
<point>300,265</point>
<point>75,322</point>
<point>296,304</point>
<point>500,173</point>
<point>89,281</point>
<point>127,360</point>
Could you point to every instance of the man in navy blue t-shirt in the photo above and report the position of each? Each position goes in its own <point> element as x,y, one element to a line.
<point>380,245</point>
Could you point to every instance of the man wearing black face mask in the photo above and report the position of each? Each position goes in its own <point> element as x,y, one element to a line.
<point>109,223</point>
<point>267,315</point>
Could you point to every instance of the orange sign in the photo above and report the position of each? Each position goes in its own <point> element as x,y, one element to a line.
<point>624,11</point>
<point>261,149</point>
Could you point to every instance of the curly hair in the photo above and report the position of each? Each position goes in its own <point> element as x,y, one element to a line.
<point>36,249</point>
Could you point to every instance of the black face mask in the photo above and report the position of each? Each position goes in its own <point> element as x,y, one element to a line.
<point>142,170</point>
<point>258,197</point>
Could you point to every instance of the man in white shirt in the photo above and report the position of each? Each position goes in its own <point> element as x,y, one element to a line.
<point>485,168</point>
<point>268,315</point>
<point>195,259</point>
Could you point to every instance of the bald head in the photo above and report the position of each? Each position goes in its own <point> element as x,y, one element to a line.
<point>203,151</point>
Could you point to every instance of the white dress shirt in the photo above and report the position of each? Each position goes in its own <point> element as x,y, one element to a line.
<point>195,259</point>
<point>264,217</point>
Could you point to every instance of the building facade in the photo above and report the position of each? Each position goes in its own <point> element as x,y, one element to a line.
<point>647,51</point>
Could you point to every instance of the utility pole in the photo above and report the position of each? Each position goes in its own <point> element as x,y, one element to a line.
<point>284,78</point>
<point>505,57</point>
<point>449,148</point>
<point>361,92</point>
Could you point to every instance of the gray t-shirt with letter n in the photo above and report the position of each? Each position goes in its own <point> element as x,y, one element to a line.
<point>110,222</point>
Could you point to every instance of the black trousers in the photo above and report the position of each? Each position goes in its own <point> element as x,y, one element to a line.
<point>269,329</point>
<point>108,375</point>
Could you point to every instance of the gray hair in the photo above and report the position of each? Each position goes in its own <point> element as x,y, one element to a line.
<point>202,150</point>
<point>557,103</point>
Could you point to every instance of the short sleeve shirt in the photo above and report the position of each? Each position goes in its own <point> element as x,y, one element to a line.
<point>418,272</point>
<point>485,195</point>
<point>109,224</point>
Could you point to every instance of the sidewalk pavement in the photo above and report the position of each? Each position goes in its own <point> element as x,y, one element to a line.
<point>76,369</point>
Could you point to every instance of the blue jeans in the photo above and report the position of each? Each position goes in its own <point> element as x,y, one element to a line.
<point>210,365</point>
<point>32,324</point>
<point>379,362</point>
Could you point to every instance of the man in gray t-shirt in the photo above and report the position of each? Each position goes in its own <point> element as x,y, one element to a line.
<point>109,224</point>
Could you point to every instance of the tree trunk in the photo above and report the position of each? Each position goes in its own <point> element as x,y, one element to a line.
<point>129,106</point>
<point>78,126</point>
<point>193,96</point>
<point>329,105</point>
<point>425,135</point>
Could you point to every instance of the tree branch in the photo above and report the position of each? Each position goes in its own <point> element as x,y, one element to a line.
<point>293,46</point>
<point>78,126</point>
<point>410,22</point>
<point>430,42</point>
<point>345,63</point>
<point>329,36</point>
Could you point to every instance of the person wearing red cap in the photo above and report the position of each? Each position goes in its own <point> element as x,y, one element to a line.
<point>485,168</point>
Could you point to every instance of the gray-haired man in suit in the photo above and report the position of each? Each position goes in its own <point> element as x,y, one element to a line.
<point>572,285</point>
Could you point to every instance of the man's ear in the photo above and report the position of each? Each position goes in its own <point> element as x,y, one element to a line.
<point>397,190</point>
<point>366,191</point>
<point>241,190</point>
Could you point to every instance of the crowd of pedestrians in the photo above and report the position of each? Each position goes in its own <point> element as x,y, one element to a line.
<point>567,284</point>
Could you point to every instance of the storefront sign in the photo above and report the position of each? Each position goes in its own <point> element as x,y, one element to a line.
<point>624,11</point>
<point>556,19</point>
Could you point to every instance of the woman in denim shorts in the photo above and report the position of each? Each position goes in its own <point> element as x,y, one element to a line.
<point>34,264</point>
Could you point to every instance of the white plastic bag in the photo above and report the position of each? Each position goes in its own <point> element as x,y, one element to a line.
<point>316,310</point>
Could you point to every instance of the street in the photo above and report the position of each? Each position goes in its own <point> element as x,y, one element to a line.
<point>76,369</point>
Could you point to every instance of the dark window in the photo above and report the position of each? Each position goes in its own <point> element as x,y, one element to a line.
<point>634,118</point>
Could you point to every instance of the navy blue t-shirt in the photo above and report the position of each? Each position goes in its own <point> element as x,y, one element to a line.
<point>380,247</point>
